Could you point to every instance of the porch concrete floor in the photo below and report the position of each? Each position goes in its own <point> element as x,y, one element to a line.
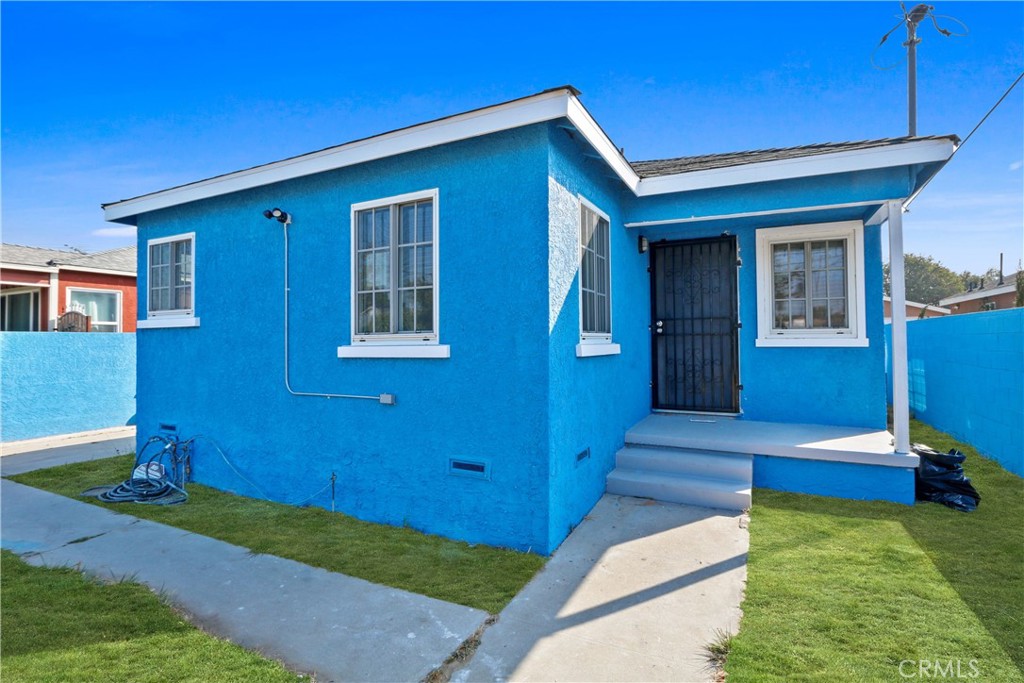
<point>738,435</point>
<point>634,594</point>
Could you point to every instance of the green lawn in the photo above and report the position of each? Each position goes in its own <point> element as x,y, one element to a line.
<point>59,625</point>
<point>474,575</point>
<point>843,590</point>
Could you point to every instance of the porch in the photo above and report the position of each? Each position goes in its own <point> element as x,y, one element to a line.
<point>714,461</point>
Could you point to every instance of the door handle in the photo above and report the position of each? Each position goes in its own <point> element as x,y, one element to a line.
<point>659,327</point>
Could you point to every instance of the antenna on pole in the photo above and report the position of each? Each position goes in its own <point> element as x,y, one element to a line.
<point>911,19</point>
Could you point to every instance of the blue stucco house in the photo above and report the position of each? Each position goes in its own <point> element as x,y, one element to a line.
<point>481,323</point>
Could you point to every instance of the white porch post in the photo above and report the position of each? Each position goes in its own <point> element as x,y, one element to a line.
<point>897,281</point>
<point>51,305</point>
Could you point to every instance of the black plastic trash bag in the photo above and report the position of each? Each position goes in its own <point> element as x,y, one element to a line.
<point>940,479</point>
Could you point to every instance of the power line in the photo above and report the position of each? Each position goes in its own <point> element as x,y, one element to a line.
<point>964,141</point>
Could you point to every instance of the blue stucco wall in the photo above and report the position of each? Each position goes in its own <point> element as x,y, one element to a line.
<point>61,383</point>
<point>837,479</point>
<point>838,386</point>
<point>966,377</point>
<point>488,401</point>
<point>592,401</point>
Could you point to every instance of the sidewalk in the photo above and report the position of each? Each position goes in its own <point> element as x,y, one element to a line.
<point>634,594</point>
<point>334,626</point>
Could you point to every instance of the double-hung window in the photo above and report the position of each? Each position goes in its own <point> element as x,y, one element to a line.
<point>811,285</point>
<point>595,283</point>
<point>171,277</point>
<point>394,270</point>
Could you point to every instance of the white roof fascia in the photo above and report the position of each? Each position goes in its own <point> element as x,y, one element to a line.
<point>98,271</point>
<point>33,269</point>
<point>536,109</point>
<point>903,154</point>
<point>978,294</point>
<point>589,128</point>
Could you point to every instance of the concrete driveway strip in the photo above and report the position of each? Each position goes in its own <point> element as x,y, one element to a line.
<point>336,627</point>
<point>634,594</point>
<point>18,463</point>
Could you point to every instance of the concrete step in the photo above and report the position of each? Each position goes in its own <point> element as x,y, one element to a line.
<point>708,464</point>
<point>677,488</point>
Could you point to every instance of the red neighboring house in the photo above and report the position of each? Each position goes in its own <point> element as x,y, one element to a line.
<point>915,310</point>
<point>991,298</point>
<point>39,285</point>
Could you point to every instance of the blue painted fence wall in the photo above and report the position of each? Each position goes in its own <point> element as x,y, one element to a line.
<point>966,377</point>
<point>60,383</point>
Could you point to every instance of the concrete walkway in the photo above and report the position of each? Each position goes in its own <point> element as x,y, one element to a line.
<point>335,627</point>
<point>59,452</point>
<point>634,594</point>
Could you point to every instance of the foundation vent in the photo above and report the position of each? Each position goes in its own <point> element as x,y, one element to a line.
<point>477,469</point>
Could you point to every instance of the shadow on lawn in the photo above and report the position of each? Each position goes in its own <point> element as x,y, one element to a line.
<point>980,554</point>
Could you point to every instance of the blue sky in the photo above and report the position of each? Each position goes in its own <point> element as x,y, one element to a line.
<point>100,102</point>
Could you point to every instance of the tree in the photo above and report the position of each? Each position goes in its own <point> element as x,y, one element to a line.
<point>927,280</point>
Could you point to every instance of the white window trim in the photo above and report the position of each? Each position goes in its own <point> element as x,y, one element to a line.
<point>392,340</point>
<point>180,317</point>
<point>67,301</point>
<point>590,343</point>
<point>856,333</point>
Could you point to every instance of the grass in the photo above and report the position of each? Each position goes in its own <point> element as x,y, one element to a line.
<point>59,625</point>
<point>474,575</point>
<point>847,590</point>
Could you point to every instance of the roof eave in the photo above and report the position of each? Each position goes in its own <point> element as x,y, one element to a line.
<point>545,106</point>
<point>904,154</point>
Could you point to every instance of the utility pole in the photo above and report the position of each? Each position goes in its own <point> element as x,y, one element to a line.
<point>913,19</point>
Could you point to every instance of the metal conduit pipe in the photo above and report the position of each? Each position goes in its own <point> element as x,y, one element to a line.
<point>285,219</point>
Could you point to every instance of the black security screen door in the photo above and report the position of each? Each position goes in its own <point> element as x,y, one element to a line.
<point>694,325</point>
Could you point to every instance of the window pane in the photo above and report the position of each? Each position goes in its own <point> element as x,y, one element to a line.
<point>382,269</point>
<point>796,257</point>
<point>364,317</point>
<point>407,310</point>
<point>19,312</point>
<point>165,299</point>
<point>424,310</point>
<point>365,240</point>
<point>781,285</point>
<point>837,313</point>
<point>406,267</point>
<point>424,266</point>
<point>425,221</point>
<point>588,311</point>
<point>820,313</point>
<point>101,307</point>
<point>364,271</point>
<point>837,254</point>
<point>407,230</point>
<point>818,284</point>
<point>182,297</point>
<point>782,315</point>
<point>836,283</point>
<point>780,258</point>
<point>796,285</point>
<point>382,312</point>
<point>798,313</point>
<point>817,254</point>
<point>382,227</point>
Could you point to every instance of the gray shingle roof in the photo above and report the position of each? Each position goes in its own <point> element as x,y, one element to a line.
<point>660,167</point>
<point>122,259</point>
